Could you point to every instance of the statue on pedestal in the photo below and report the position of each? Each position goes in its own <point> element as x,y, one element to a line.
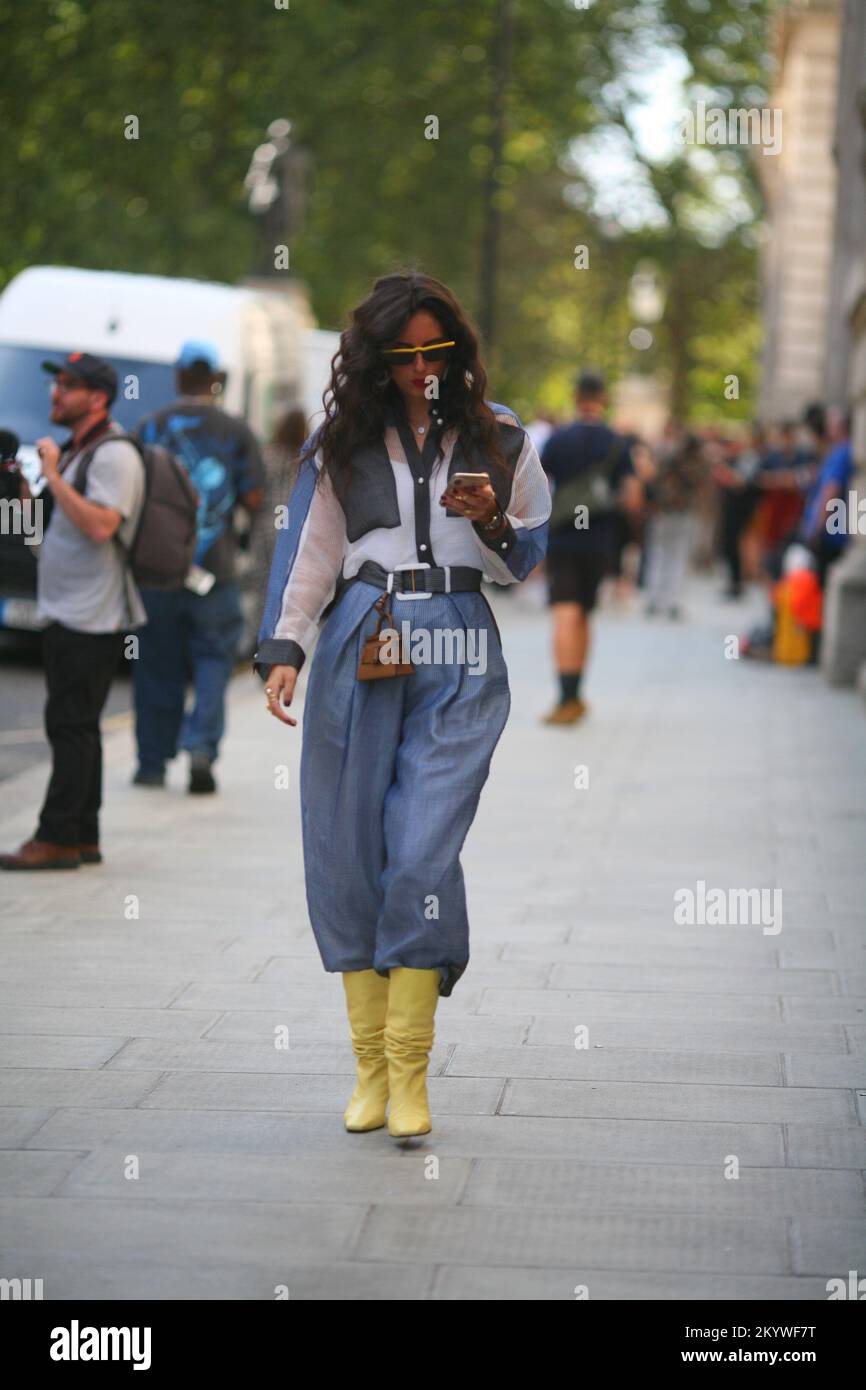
<point>278,186</point>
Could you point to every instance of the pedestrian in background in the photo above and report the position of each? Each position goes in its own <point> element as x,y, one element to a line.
<point>673,494</point>
<point>591,470</point>
<point>193,633</point>
<point>737,479</point>
<point>826,525</point>
<point>781,502</point>
<point>281,457</point>
<point>85,590</point>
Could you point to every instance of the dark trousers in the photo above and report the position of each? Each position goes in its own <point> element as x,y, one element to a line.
<point>79,668</point>
<point>187,638</point>
<point>737,508</point>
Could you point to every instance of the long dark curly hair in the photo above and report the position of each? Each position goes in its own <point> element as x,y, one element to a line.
<point>361,387</point>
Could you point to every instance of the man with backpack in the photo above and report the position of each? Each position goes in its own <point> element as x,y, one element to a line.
<point>193,633</point>
<point>594,482</point>
<point>88,594</point>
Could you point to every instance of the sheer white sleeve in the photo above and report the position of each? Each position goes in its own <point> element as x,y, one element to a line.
<point>313,579</point>
<point>510,556</point>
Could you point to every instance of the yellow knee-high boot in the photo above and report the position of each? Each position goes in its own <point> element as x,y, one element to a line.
<point>412,999</point>
<point>367,1002</point>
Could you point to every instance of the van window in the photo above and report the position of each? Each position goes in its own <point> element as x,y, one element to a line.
<point>24,390</point>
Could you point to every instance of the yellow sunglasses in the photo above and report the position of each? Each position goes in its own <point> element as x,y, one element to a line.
<point>433,352</point>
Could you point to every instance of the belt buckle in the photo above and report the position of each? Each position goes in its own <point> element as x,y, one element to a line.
<point>413,592</point>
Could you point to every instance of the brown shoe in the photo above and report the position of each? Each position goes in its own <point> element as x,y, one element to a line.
<point>90,854</point>
<point>42,854</point>
<point>567,713</point>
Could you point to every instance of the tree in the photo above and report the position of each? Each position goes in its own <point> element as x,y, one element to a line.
<point>360,84</point>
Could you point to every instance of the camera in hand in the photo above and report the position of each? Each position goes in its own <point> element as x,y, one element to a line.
<point>10,469</point>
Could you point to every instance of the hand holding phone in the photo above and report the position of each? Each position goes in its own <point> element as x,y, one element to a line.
<point>473,491</point>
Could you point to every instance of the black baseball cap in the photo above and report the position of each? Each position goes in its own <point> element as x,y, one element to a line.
<point>93,371</point>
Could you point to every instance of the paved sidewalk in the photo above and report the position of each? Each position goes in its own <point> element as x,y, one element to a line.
<point>149,1044</point>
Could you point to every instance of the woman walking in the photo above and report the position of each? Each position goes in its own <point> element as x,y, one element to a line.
<point>398,735</point>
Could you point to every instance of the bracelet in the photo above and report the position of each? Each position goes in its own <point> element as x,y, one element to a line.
<point>494,523</point>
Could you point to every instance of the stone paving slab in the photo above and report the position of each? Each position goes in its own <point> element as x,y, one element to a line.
<point>650,950</point>
<point>108,1022</point>
<point>697,982</point>
<point>355,1178</point>
<point>549,1166</point>
<point>18,1123</point>
<point>671,1242</point>
<point>844,954</point>
<point>215,1231</point>
<point>74,1051</point>
<point>521,1283</point>
<point>56,975</point>
<point>834,1246</point>
<point>27,1173</point>
<point>214,1055</point>
<point>83,1276</point>
<point>252,1091</point>
<point>618,1064</point>
<point>309,1131</point>
<point>565,1184</point>
<point>804,1070</point>
<point>323,1024</point>
<point>127,992</point>
<point>848,1009</point>
<point>646,1100</point>
<point>57,1086</point>
<point>269,997</point>
<point>707,1035</point>
<point>821,1146</point>
<point>582,1004</point>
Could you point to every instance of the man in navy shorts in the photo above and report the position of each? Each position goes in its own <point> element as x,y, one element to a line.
<point>591,463</point>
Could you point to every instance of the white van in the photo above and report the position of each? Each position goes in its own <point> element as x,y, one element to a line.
<point>275,358</point>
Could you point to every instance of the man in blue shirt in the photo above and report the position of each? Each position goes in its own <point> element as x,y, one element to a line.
<point>194,634</point>
<point>825,527</point>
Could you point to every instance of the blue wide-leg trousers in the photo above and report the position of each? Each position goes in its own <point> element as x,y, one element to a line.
<point>391,775</point>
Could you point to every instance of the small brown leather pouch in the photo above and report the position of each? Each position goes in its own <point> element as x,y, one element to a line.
<point>372,666</point>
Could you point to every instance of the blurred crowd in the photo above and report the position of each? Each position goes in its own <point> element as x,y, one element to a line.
<point>768,504</point>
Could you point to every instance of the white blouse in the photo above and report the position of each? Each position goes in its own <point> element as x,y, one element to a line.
<point>324,548</point>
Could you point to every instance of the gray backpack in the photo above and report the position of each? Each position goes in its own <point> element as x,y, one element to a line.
<point>162,549</point>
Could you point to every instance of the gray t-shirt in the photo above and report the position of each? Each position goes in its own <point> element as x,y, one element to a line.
<point>82,584</point>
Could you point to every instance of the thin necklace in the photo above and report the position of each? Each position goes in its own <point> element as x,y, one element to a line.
<point>422,429</point>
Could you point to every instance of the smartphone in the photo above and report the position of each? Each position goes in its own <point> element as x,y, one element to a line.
<point>469,480</point>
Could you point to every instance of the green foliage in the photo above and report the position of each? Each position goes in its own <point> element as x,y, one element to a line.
<point>205,78</point>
